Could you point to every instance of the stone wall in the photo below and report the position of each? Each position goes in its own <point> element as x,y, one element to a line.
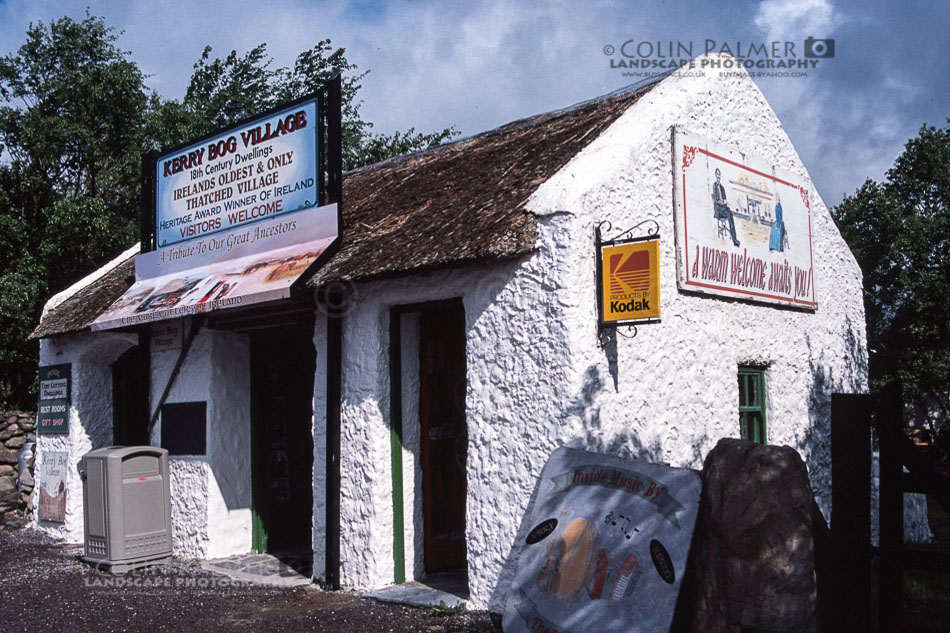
<point>15,507</point>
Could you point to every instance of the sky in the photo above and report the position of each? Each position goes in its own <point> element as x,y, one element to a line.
<point>876,72</point>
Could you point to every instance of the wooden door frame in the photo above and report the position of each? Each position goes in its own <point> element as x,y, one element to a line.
<point>396,422</point>
<point>259,534</point>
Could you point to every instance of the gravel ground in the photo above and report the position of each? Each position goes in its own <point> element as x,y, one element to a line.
<point>45,587</point>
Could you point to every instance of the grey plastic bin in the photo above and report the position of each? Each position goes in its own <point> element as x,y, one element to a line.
<point>126,507</point>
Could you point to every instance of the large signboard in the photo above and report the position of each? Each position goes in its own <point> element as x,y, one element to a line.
<point>743,227</point>
<point>603,545</point>
<point>629,282</point>
<point>52,415</point>
<point>240,267</point>
<point>261,169</point>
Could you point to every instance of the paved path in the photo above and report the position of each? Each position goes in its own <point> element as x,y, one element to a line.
<point>262,569</point>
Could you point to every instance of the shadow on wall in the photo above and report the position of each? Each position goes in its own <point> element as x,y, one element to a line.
<point>627,443</point>
<point>92,394</point>
<point>608,341</point>
<point>815,445</point>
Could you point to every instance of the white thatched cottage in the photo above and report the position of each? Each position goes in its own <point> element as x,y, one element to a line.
<point>469,346</point>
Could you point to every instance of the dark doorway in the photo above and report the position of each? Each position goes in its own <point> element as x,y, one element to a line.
<point>444,435</point>
<point>282,370</point>
<point>130,398</point>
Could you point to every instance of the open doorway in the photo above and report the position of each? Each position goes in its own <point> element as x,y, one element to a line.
<point>130,398</point>
<point>282,372</point>
<point>443,435</point>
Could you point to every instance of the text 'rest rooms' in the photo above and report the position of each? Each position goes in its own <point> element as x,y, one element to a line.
<point>233,180</point>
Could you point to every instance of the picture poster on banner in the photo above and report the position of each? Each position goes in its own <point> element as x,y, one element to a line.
<point>53,466</point>
<point>602,546</point>
<point>630,282</point>
<point>265,168</point>
<point>743,227</point>
<point>52,413</point>
<point>240,267</point>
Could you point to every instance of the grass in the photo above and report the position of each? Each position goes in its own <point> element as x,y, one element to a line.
<point>926,593</point>
<point>443,609</point>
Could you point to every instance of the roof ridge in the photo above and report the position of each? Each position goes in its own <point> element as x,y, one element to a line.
<point>511,126</point>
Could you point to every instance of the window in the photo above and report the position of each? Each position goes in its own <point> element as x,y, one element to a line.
<point>752,404</point>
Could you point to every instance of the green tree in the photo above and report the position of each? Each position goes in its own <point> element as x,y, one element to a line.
<point>75,117</point>
<point>72,109</point>
<point>899,231</point>
<point>222,91</point>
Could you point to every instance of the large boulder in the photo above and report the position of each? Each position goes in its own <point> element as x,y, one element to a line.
<point>752,561</point>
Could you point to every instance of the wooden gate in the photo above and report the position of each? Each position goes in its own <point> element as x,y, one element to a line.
<point>853,557</point>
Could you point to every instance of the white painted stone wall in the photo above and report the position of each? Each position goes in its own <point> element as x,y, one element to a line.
<point>211,494</point>
<point>539,376</point>
<point>90,415</point>
<point>673,392</point>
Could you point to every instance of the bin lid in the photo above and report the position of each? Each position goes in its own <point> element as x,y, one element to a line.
<point>121,452</point>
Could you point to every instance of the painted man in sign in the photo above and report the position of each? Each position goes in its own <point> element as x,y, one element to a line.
<point>721,208</point>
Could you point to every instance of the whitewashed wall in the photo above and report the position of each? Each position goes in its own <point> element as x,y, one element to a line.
<point>540,376</point>
<point>211,494</point>
<point>670,393</point>
<point>90,415</point>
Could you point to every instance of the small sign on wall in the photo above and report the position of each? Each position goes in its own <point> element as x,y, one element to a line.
<point>53,467</point>
<point>52,414</point>
<point>629,282</point>
<point>166,336</point>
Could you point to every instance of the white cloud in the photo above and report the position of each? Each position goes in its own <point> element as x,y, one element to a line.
<point>480,64</point>
<point>793,19</point>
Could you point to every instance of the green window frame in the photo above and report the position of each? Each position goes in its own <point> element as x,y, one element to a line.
<point>752,399</point>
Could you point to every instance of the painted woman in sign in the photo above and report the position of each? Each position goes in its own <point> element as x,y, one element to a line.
<point>777,238</point>
<point>721,209</point>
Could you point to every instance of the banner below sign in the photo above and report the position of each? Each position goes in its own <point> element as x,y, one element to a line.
<point>602,546</point>
<point>52,415</point>
<point>241,267</point>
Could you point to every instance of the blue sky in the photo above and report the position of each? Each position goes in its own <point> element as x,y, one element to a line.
<point>477,65</point>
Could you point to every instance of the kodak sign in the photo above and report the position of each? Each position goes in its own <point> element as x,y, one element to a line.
<point>630,281</point>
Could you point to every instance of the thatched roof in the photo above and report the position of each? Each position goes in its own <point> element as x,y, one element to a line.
<point>463,201</point>
<point>78,311</point>
<point>457,203</point>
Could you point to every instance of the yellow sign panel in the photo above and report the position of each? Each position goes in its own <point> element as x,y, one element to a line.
<point>630,281</point>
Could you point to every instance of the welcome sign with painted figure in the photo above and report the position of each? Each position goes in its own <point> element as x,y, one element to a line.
<point>743,227</point>
<point>255,171</point>
<point>602,546</point>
